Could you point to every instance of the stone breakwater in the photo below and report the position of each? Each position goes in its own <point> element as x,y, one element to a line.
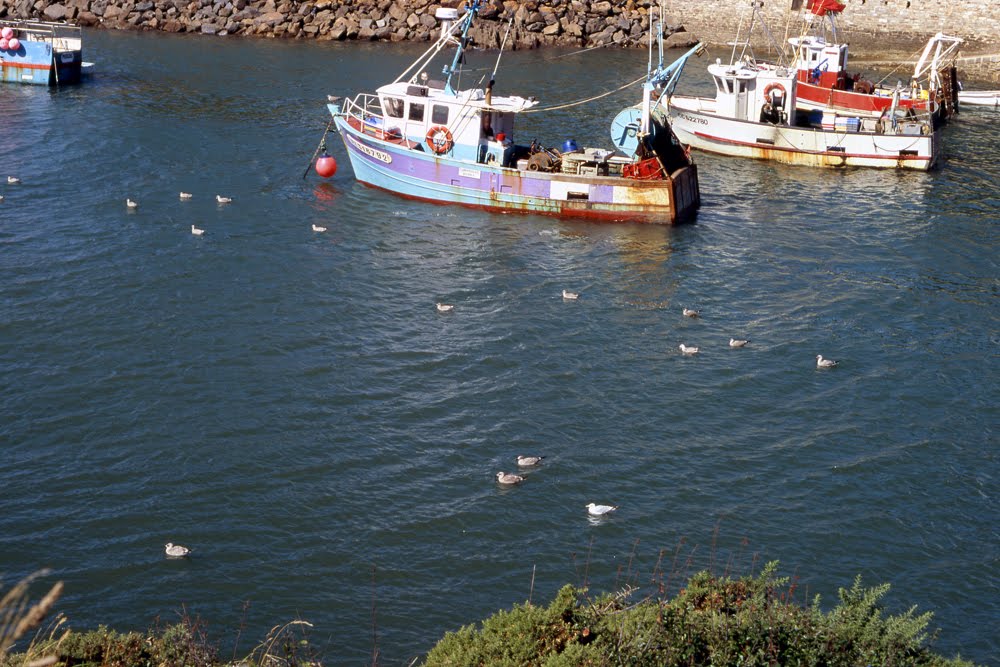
<point>532,24</point>
<point>889,29</point>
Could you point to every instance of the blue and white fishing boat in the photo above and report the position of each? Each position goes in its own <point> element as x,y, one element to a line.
<point>44,53</point>
<point>424,139</point>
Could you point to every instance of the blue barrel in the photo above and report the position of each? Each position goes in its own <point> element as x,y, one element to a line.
<point>569,146</point>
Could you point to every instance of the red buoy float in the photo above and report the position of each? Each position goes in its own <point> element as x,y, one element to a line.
<point>3,44</point>
<point>7,32</point>
<point>13,43</point>
<point>326,165</point>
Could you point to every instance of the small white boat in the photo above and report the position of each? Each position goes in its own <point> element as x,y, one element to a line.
<point>980,98</point>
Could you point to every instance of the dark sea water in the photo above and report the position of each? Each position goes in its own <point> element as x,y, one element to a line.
<point>292,406</point>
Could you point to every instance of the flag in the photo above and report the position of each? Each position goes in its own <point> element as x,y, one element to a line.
<point>821,7</point>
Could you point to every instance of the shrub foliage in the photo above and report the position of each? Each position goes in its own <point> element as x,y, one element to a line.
<point>712,621</point>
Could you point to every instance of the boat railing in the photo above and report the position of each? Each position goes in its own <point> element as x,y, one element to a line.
<point>367,110</point>
<point>63,36</point>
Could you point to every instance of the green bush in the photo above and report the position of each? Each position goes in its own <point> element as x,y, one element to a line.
<point>713,621</point>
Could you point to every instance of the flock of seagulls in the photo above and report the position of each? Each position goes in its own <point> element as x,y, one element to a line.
<point>513,479</point>
<point>686,350</point>
<point>132,205</point>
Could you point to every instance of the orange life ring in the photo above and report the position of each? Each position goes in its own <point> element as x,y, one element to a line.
<point>773,86</point>
<point>439,139</point>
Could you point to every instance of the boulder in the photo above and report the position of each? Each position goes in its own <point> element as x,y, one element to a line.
<point>680,40</point>
<point>55,12</point>
<point>87,19</point>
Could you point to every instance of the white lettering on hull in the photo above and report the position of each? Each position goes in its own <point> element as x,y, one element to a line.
<point>382,156</point>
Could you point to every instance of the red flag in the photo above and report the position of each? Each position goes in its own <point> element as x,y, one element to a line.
<point>821,7</point>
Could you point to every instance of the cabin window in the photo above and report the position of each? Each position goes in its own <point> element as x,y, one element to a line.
<point>743,86</point>
<point>393,107</point>
<point>439,114</point>
<point>718,85</point>
<point>416,112</point>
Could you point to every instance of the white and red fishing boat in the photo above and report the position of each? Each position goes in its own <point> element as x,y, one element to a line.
<point>755,114</point>
<point>820,60</point>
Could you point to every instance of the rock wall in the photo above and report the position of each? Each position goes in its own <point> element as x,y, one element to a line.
<point>533,23</point>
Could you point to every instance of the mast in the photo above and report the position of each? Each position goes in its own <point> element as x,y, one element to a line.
<point>470,14</point>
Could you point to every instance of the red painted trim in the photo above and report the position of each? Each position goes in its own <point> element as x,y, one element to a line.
<point>21,65</point>
<point>769,147</point>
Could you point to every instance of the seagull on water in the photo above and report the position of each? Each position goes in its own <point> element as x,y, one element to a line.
<point>185,195</point>
<point>1,197</point>
<point>131,204</point>
<point>176,550</point>
<point>570,296</point>
<point>196,231</point>
<point>688,312</point>
<point>594,509</point>
<point>13,180</point>
<point>509,478</point>
<point>317,228</point>
<point>737,343</point>
<point>528,461</point>
<point>223,200</point>
<point>685,349</point>
<point>824,363</point>
<point>444,307</point>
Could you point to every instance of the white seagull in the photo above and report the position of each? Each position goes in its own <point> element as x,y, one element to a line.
<point>196,231</point>
<point>824,363</point>
<point>685,349</point>
<point>176,550</point>
<point>131,204</point>
<point>1,197</point>
<point>600,510</point>
<point>570,296</point>
<point>737,343</point>
<point>509,478</point>
<point>528,461</point>
<point>444,307</point>
<point>13,180</point>
<point>317,228</point>
<point>688,312</point>
<point>223,200</point>
<point>185,195</point>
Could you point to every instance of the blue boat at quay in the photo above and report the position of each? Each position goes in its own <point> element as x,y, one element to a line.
<point>422,139</point>
<point>43,53</point>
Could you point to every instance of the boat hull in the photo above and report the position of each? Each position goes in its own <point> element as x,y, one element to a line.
<point>44,56</point>
<point>417,174</point>
<point>985,98</point>
<point>695,124</point>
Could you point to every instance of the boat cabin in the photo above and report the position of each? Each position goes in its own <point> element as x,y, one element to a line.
<point>820,63</point>
<point>471,125</point>
<point>760,95</point>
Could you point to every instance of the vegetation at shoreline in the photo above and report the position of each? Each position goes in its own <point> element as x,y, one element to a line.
<point>713,620</point>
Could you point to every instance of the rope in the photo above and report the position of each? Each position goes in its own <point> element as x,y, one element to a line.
<point>321,147</point>
<point>589,99</point>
